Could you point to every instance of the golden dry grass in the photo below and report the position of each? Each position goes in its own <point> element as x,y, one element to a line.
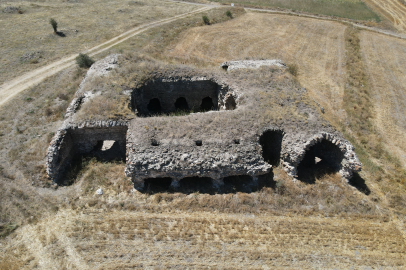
<point>315,46</point>
<point>385,60</point>
<point>393,10</point>
<point>352,9</point>
<point>119,239</point>
<point>28,41</point>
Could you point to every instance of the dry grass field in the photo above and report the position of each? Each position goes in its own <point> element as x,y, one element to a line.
<point>393,10</point>
<point>27,40</point>
<point>385,60</point>
<point>291,224</point>
<point>316,47</point>
<point>125,239</point>
<point>351,9</point>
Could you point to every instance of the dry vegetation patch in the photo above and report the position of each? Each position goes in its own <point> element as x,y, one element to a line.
<point>28,40</point>
<point>132,239</point>
<point>351,9</point>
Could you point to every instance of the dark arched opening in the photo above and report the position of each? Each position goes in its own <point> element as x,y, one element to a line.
<point>271,142</point>
<point>181,104</point>
<point>156,185</point>
<point>322,158</point>
<point>237,183</point>
<point>230,103</point>
<point>196,184</point>
<point>154,106</point>
<point>207,104</point>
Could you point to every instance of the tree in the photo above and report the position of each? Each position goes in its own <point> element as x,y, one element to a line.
<point>84,60</point>
<point>54,24</point>
<point>206,20</point>
<point>229,14</point>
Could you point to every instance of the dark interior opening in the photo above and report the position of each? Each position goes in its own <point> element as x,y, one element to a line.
<point>98,146</point>
<point>225,67</point>
<point>154,106</point>
<point>206,185</point>
<point>230,103</point>
<point>207,104</point>
<point>245,183</point>
<point>196,184</point>
<point>154,142</point>
<point>271,142</point>
<point>322,158</point>
<point>181,104</point>
<point>199,142</point>
<point>236,141</point>
<point>108,150</point>
<point>239,183</point>
<point>156,185</point>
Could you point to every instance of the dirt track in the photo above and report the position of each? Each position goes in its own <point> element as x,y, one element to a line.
<point>10,89</point>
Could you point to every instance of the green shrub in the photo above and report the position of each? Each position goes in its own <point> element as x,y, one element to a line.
<point>54,24</point>
<point>229,14</point>
<point>206,20</point>
<point>84,60</point>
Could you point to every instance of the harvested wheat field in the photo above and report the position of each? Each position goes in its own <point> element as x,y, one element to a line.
<point>385,60</point>
<point>315,47</point>
<point>97,239</point>
<point>393,10</point>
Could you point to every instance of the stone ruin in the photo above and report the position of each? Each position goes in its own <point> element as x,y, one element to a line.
<point>173,163</point>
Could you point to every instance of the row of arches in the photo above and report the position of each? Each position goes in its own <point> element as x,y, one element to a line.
<point>207,185</point>
<point>154,106</point>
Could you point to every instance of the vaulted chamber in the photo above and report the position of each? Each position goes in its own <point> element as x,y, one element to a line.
<point>171,95</point>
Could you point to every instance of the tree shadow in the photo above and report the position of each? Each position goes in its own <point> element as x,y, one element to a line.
<point>359,183</point>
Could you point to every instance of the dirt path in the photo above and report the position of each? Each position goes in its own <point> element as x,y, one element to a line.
<point>10,89</point>
<point>399,21</point>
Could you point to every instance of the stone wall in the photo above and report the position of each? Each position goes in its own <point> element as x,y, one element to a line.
<point>73,140</point>
<point>169,90</point>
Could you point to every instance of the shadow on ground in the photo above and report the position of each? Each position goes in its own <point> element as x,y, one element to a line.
<point>359,183</point>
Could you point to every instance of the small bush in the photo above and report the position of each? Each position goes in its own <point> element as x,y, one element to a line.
<point>292,69</point>
<point>54,24</point>
<point>84,60</point>
<point>206,20</point>
<point>229,14</point>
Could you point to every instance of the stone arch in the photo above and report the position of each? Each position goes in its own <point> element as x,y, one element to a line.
<point>324,153</point>
<point>271,142</point>
<point>154,106</point>
<point>181,104</point>
<point>207,104</point>
<point>322,158</point>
